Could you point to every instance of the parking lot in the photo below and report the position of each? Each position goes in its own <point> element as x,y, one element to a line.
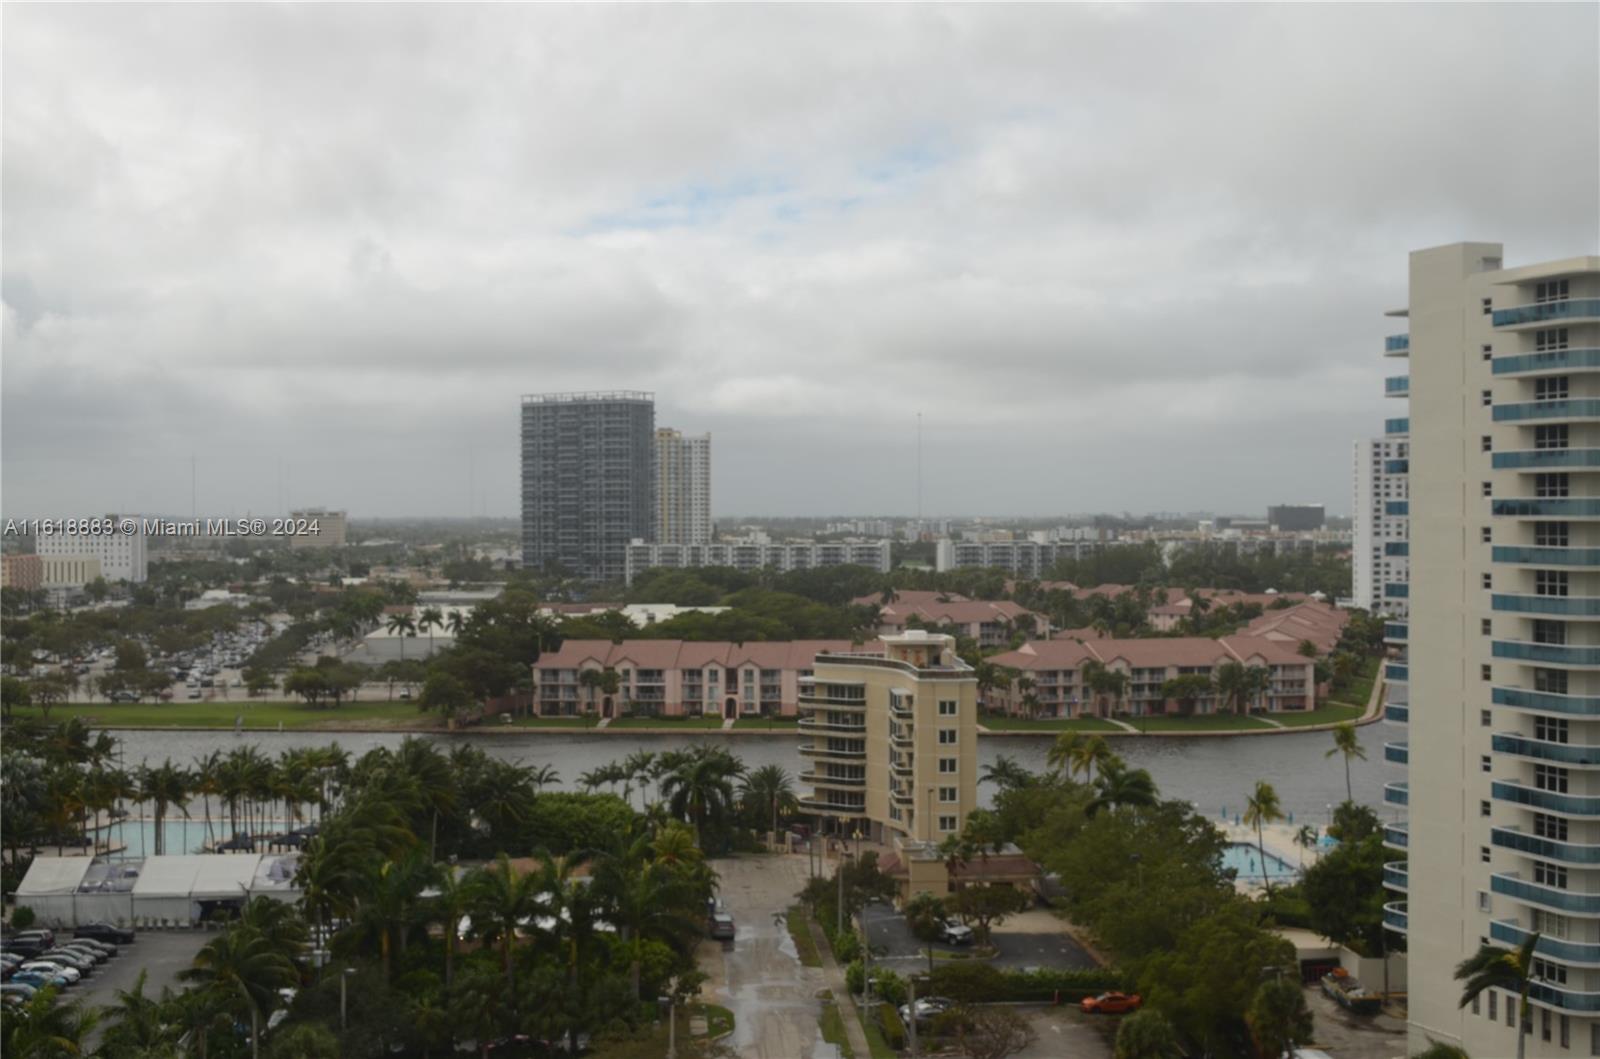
<point>1034,938</point>
<point>161,953</point>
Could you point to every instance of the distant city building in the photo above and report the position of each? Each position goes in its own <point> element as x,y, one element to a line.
<point>752,555</point>
<point>25,572</point>
<point>1026,559</point>
<point>683,487</point>
<point>331,527</point>
<point>1296,518</point>
<point>65,574</point>
<point>989,622</point>
<point>121,556</point>
<point>889,735</point>
<point>588,480</point>
<point>1380,548</point>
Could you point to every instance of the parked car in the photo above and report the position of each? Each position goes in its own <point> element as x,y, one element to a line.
<point>1112,1003</point>
<point>106,932</point>
<point>722,926</point>
<point>105,949</point>
<point>17,989</point>
<point>928,1007</point>
<point>955,934</point>
<point>51,968</point>
<point>48,937</point>
<point>76,960</point>
<point>37,980</point>
<point>87,948</point>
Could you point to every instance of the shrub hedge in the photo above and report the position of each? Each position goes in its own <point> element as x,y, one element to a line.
<point>982,983</point>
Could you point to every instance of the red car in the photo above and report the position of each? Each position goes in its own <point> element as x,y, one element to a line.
<point>1111,1003</point>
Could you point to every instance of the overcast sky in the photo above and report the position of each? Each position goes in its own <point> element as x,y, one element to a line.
<point>1120,258</point>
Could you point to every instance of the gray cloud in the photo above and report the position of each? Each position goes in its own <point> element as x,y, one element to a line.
<point>1119,257</point>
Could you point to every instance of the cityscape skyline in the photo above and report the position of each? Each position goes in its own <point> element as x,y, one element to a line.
<point>802,296</point>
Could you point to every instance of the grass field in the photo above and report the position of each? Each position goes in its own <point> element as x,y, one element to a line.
<point>1205,722</point>
<point>579,721</point>
<point>1024,724</point>
<point>832,1026</point>
<point>666,722</point>
<point>775,724</point>
<point>1358,689</point>
<point>1331,714</point>
<point>804,947</point>
<point>255,714</point>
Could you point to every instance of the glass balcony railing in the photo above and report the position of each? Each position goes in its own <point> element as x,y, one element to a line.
<point>1397,507</point>
<point>1509,932</point>
<point>1545,459</point>
<point>1567,507</point>
<point>1396,672</point>
<point>1548,848</point>
<point>1556,654</point>
<point>1533,797</point>
<point>1563,998</point>
<point>1397,386</point>
<point>1395,875</point>
<point>1400,548</point>
<point>1566,606</point>
<point>1571,309</point>
<point>1566,901</point>
<point>1578,755</point>
<point>1396,590</point>
<point>1401,425</point>
<point>1395,631</point>
<point>1546,701</point>
<point>1396,466</point>
<point>1396,835</point>
<point>1571,408</point>
<point>1394,916</point>
<point>1397,793</point>
<point>1397,753</point>
<point>1395,713</point>
<point>1535,556</point>
<point>1396,344</point>
<point>1549,360</point>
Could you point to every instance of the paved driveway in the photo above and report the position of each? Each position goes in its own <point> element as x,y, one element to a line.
<point>759,976</point>
<point>1035,938</point>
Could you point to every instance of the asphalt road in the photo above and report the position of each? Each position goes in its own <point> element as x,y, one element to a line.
<point>1032,939</point>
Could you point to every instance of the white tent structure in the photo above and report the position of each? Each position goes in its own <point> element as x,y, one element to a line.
<point>174,891</point>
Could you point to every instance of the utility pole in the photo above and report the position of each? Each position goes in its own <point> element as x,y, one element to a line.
<point>911,984</point>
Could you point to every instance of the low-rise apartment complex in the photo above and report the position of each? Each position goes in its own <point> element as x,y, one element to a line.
<point>988,622</point>
<point>890,738</point>
<point>782,556</point>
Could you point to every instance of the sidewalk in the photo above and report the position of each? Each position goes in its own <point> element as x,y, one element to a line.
<point>834,975</point>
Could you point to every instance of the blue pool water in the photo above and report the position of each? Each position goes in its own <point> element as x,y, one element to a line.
<point>1246,860</point>
<point>181,836</point>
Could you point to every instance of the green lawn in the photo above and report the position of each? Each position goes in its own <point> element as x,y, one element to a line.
<point>666,722</point>
<point>832,1026</point>
<point>1358,689</point>
<point>578,721</point>
<point>258,714</point>
<point>775,724</point>
<point>651,1043</point>
<point>1024,724</point>
<point>1203,722</point>
<point>803,945</point>
<point>1331,714</point>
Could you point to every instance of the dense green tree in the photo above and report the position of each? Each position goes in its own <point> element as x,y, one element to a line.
<point>1345,894</point>
<point>1147,1034</point>
<point>1278,1017</point>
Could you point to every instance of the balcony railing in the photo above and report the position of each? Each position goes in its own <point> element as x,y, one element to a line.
<point>1395,344</point>
<point>1394,916</point>
<point>1396,836</point>
<point>1546,701</point>
<point>1545,459</point>
<point>823,779</point>
<point>1397,674</point>
<point>824,751</point>
<point>1398,508</point>
<point>818,703</point>
<point>951,672</point>
<point>1571,309</point>
<point>1567,507</point>
<point>1508,931</point>
<point>1553,360</point>
<point>1547,653</point>
<point>1401,425</point>
<point>822,805</point>
<point>1397,793</point>
<point>1397,753</point>
<point>1397,713</point>
<point>1396,590</point>
<point>1563,998</point>
<point>1576,755</point>
<point>1548,848</point>
<point>1568,901</point>
<point>1396,876</point>
<point>813,724</point>
<point>1397,548</point>
<point>1397,386</point>
<point>1395,631</point>
<point>1567,606</point>
<point>1538,556</point>
<point>1549,801</point>
<point>1572,408</point>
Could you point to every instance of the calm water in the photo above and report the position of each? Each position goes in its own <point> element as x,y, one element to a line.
<point>1211,772</point>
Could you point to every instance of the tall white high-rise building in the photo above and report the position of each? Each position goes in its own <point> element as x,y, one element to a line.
<point>1503,829</point>
<point>121,556</point>
<point>1379,539</point>
<point>683,487</point>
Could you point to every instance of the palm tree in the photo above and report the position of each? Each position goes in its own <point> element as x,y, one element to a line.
<point>1063,752</point>
<point>455,624</point>
<point>1090,753</point>
<point>1262,808</point>
<point>450,900</point>
<point>401,625</point>
<point>767,789</point>
<point>164,786</point>
<point>1120,786</point>
<point>1006,774</point>
<point>45,1028</point>
<point>1493,967</point>
<point>1305,838</point>
<point>500,900</point>
<point>702,788</point>
<point>138,1024</point>
<point>925,913</point>
<point>543,776</point>
<point>430,619</point>
<point>246,970</point>
<point>1346,742</point>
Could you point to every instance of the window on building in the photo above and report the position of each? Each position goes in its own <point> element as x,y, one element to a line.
<point>1554,290</point>
<point>1551,827</point>
<point>1550,681</point>
<point>1551,534</point>
<point>1566,1032</point>
<point>1547,631</point>
<point>1544,1023</point>
<point>1484,762</point>
<point>948,764</point>
<point>1485,718</point>
<point>1488,580</point>
<point>1485,808</point>
<point>1551,339</point>
<point>947,823</point>
<point>947,707</point>
<point>1487,399</point>
<point>1488,306</point>
<point>947,794</point>
<point>1488,488</point>
<point>1550,972</point>
<point>1486,626</point>
<point>1547,874</point>
<point>1550,582</point>
<point>1550,729</point>
<point>1551,778</point>
<point>1551,387</point>
<point>1494,1009</point>
<point>1549,485</point>
<point>1483,854</point>
<point>1485,442</point>
<point>1551,437</point>
<point>1485,534</point>
<point>1483,901</point>
<point>947,736</point>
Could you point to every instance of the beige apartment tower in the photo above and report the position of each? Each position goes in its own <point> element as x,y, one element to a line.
<point>1503,643</point>
<point>890,740</point>
<point>683,487</point>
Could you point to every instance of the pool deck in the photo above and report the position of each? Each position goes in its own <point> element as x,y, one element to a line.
<point>1279,842</point>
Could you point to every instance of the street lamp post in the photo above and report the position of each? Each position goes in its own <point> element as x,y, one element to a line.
<point>344,1020</point>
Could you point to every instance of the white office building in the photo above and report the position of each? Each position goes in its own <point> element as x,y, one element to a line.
<point>1503,829</point>
<point>121,556</point>
<point>1380,545</point>
<point>683,487</point>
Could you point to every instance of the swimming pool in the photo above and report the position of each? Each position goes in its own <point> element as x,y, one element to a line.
<point>1245,859</point>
